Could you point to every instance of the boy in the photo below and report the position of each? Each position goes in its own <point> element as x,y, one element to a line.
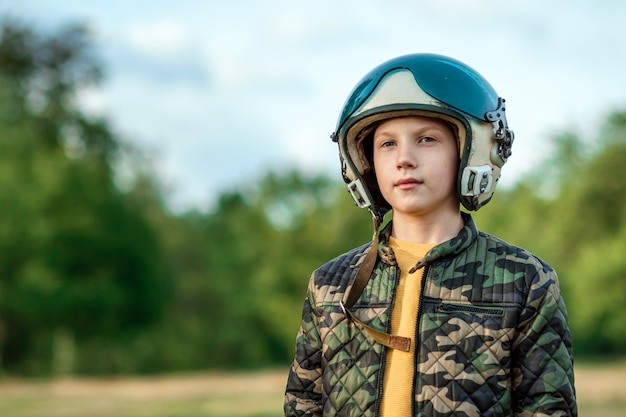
<point>431,318</point>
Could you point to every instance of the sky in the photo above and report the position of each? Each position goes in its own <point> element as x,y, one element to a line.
<point>219,92</point>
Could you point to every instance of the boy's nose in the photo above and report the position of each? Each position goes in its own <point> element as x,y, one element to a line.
<point>406,157</point>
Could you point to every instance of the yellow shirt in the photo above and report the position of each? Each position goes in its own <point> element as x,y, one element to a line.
<point>399,371</point>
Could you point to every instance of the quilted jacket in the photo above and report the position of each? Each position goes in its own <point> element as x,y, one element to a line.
<point>492,335</point>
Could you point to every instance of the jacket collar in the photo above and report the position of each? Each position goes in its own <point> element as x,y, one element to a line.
<point>449,248</point>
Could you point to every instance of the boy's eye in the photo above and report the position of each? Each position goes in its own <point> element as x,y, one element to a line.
<point>427,139</point>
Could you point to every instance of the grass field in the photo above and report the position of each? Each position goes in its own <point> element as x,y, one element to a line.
<point>601,393</point>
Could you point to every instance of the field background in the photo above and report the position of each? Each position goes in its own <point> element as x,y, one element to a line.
<point>601,393</point>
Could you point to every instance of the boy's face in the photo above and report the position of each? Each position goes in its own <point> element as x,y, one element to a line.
<point>416,162</point>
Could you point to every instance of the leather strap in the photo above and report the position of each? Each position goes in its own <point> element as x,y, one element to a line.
<point>362,275</point>
<point>385,339</point>
<point>359,284</point>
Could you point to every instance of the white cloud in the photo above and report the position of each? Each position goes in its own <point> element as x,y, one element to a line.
<point>159,38</point>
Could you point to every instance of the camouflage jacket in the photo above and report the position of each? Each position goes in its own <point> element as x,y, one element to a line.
<point>492,335</point>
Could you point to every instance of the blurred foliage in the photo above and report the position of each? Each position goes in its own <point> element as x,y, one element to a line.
<point>80,262</point>
<point>96,278</point>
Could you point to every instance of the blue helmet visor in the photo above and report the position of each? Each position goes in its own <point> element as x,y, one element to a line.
<point>445,79</point>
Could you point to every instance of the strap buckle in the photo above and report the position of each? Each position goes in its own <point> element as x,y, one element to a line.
<point>503,135</point>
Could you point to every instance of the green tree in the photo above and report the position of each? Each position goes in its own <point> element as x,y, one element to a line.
<point>593,227</point>
<point>242,270</point>
<point>81,266</point>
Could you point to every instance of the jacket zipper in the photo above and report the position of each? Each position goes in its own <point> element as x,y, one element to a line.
<point>417,336</point>
<point>383,364</point>
<point>484,311</point>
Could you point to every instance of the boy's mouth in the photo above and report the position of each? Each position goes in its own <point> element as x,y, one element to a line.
<point>406,183</point>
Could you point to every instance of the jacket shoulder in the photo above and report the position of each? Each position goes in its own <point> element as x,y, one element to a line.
<point>489,270</point>
<point>511,254</point>
<point>331,279</point>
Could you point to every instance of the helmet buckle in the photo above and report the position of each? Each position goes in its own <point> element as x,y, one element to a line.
<point>359,194</point>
